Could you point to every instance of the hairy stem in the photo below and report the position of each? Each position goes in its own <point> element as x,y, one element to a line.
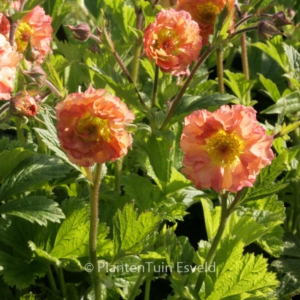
<point>155,86</point>
<point>118,173</point>
<point>20,131</point>
<point>94,191</point>
<point>136,286</point>
<point>245,64</point>
<point>147,289</point>
<point>51,279</point>
<point>220,71</point>
<point>137,47</point>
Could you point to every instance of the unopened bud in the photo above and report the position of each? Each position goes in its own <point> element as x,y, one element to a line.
<point>31,53</point>
<point>36,75</point>
<point>81,32</point>
<point>23,104</point>
<point>279,19</point>
<point>267,29</point>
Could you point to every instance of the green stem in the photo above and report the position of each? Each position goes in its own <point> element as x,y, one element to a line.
<point>220,71</point>
<point>185,85</point>
<point>147,289</point>
<point>245,65</point>
<point>118,174</point>
<point>229,58</point>
<point>94,191</point>
<point>62,283</point>
<point>20,132</point>
<point>137,47</point>
<point>212,251</point>
<point>155,86</point>
<point>137,284</point>
<point>51,279</point>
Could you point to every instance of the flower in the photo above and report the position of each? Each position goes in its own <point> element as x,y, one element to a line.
<point>204,12</point>
<point>225,149</point>
<point>91,127</point>
<point>173,41</point>
<point>23,104</point>
<point>36,26</point>
<point>8,62</point>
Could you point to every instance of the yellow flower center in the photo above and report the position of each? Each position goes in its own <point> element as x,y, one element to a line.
<point>168,40</point>
<point>223,148</point>
<point>207,12</point>
<point>23,32</point>
<point>93,129</point>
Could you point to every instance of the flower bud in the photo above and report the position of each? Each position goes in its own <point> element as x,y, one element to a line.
<point>81,32</point>
<point>23,104</point>
<point>31,53</point>
<point>267,29</point>
<point>36,75</point>
<point>279,19</point>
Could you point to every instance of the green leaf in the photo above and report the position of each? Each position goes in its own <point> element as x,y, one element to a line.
<point>190,103</point>
<point>20,273</point>
<point>271,87</point>
<point>158,150</point>
<point>177,182</point>
<point>211,216</point>
<point>34,209</point>
<point>73,235</point>
<point>94,7</point>
<point>130,229</point>
<point>9,159</point>
<point>31,172</point>
<point>238,84</point>
<point>142,191</point>
<point>264,184</point>
<point>293,57</point>
<point>237,274</point>
<point>287,104</point>
<point>274,48</point>
<point>30,4</point>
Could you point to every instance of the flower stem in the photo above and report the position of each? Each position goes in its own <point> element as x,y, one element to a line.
<point>212,251</point>
<point>118,174</point>
<point>147,289</point>
<point>94,191</point>
<point>245,65</point>
<point>220,71</point>
<point>155,85</point>
<point>137,47</point>
<point>20,132</point>
<point>51,279</point>
<point>137,284</point>
<point>62,283</point>
<point>185,85</point>
<point>121,64</point>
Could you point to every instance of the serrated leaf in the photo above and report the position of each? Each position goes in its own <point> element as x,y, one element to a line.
<point>9,159</point>
<point>142,191</point>
<point>264,184</point>
<point>287,104</point>
<point>190,103</point>
<point>271,87</point>
<point>238,84</point>
<point>130,229</point>
<point>20,273</point>
<point>31,172</point>
<point>177,182</point>
<point>34,209</point>
<point>237,274</point>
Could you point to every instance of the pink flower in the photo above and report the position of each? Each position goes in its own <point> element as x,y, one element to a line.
<point>205,12</point>
<point>8,62</point>
<point>91,127</point>
<point>35,25</point>
<point>173,41</point>
<point>225,149</point>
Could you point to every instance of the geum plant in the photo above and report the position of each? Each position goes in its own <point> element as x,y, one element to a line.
<point>122,130</point>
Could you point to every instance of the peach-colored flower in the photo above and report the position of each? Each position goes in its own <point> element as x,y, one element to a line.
<point>35,25</point>
<point>91,127</point>
<point>173,41</point>
<point>204,12</point>
<point>8,62</point>
<point>225,149</point>
<point>23,104</point>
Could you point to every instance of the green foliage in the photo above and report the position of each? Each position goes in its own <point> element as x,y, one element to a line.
<point>130,230</point>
